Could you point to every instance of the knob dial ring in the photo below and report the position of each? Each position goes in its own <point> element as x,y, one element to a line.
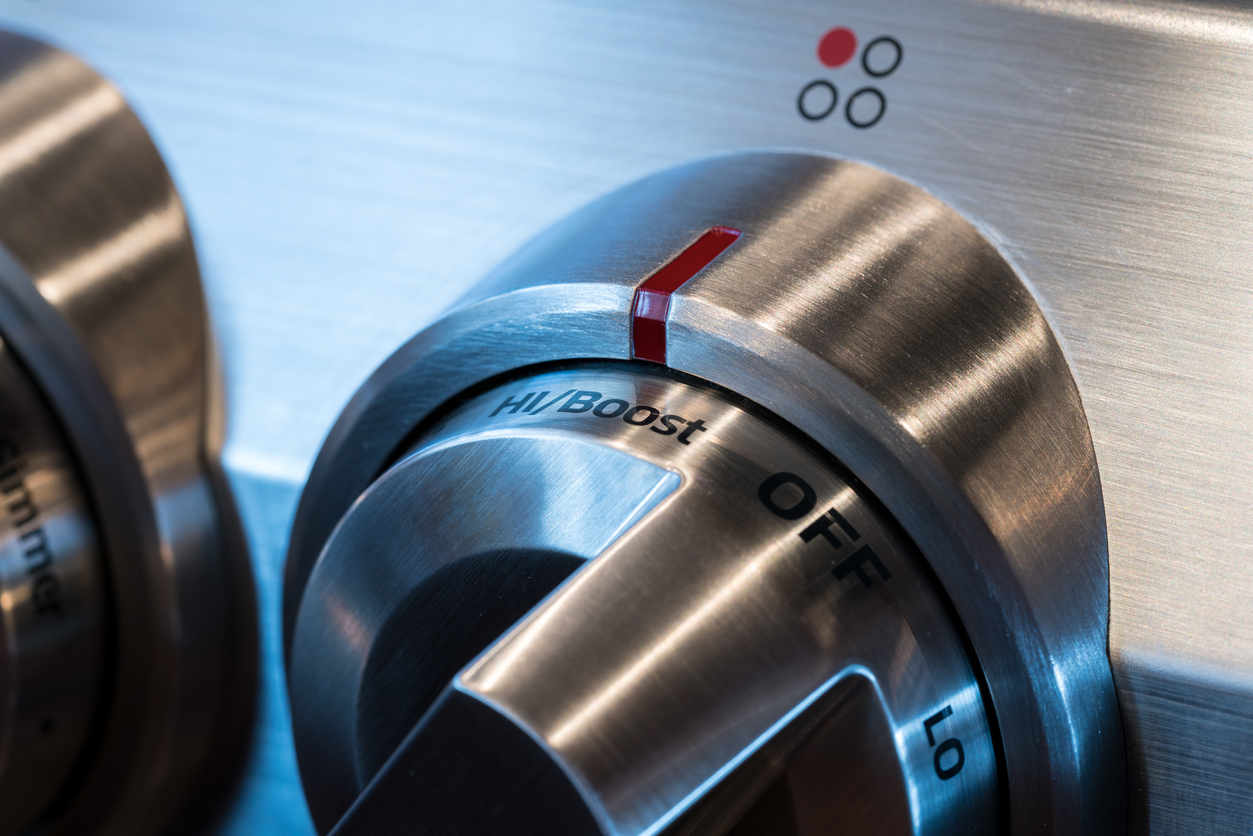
<point>53,603</point>
<point>721,622</point>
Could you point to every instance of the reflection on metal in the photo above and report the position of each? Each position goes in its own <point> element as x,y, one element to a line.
<point>130,702</point>
<point>472,495</point>
<point>851,306</point>
<point>76,116</point>
<point>163,229</point>
<point>708,653</point>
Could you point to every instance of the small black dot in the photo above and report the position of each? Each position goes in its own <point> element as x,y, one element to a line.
<point>47,725</point>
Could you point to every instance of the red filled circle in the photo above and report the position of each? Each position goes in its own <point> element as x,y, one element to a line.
<point>837,47</point>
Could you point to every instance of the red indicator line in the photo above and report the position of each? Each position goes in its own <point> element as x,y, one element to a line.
<point>652,298</point>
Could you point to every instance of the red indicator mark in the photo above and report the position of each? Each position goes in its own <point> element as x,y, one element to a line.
<point>652,298</point>
<point>837,47</point>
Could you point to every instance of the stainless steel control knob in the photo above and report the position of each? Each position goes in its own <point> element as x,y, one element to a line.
<point>126,621</point>
<point>756,497</point>
<point>745,640</point>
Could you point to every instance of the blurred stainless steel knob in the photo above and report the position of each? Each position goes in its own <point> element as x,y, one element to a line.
<point>127,660</point>
<point>756,497</point>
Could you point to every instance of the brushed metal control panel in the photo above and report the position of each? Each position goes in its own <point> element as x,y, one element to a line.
<point>351,168</point>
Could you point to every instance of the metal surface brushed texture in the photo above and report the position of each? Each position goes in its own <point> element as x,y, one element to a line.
<point>351,168</point>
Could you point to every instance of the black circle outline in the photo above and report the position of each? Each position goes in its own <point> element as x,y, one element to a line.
<point>807,501</point>
<point>835,99</point>
<point>865,53</point>
<point>848,108</point>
